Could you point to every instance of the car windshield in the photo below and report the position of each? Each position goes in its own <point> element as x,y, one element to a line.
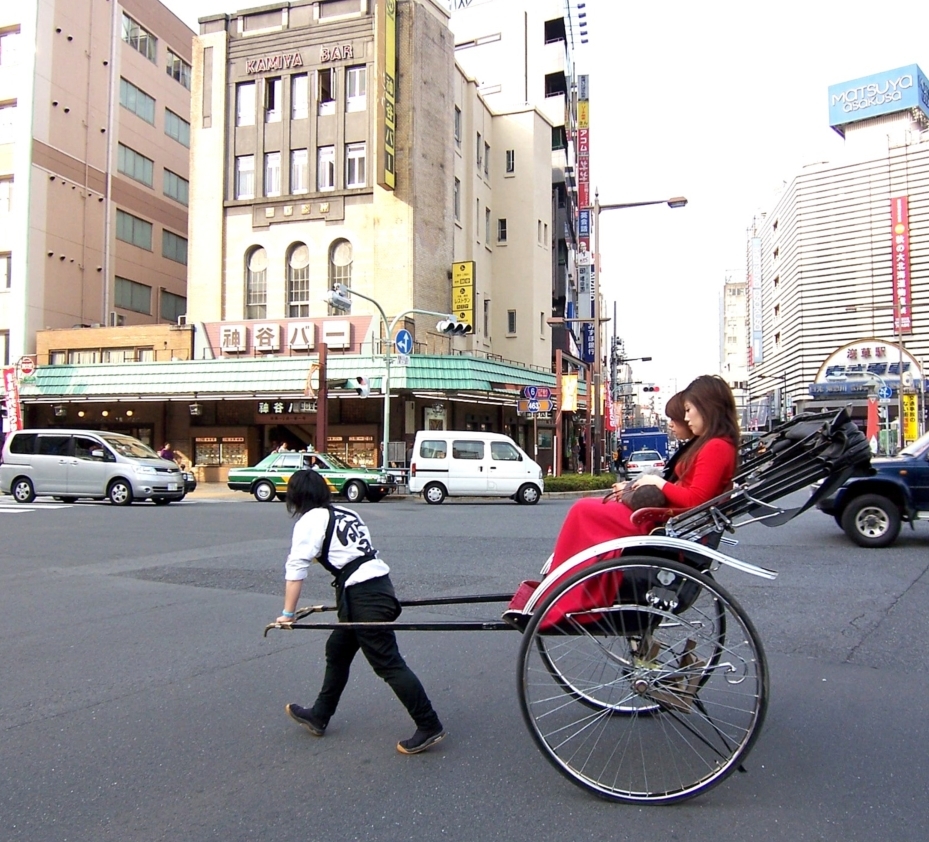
<point>335,462</point>
<point>916,447</point>
<point>126,446</point>
<point>646,456</point>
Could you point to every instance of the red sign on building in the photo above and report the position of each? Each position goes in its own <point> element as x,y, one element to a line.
<point>900,239</point>
<point>14,414</point>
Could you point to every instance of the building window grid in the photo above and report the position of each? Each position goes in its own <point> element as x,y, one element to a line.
<point>130,229</point>
<point>487,226</point>
<point>355,165</point>
<point>325,168</point>
<point>511,321</point>
<point>356,79</point>
<point>325,90</point>
<point>7,121</point>
<point>298,282</point>
<point>176,127</point>
<point>501,230</point>
<point>479,146</point>
<point>256,284</point>
<point>173,247</point>
<point>340,265</point>
<point>137,101</point>
<point>172,306</point>
<point>486,160</point>
<point>272,174</point>
<point>139,38</point>
<point>274,97</point>
<point>299,96</point>
<point>6,196</point>
<point>9,48</point>
<point>456,200</point>
<point>245,104</point>
<point>6,270</point>
<point>299,171</point>
<point>457,127</point>
<point>176,187</point>
<point>178,69</point>
<point>136,166</point>
<point>510,161</point>
<point>245,177</point>
<point>131,295</point>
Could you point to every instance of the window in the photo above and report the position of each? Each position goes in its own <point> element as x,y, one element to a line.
<point>136,166</point>
<point>136,101</point>
<point>6,195</point>
<point>245,104</point>
<point>480,151</point>
<point>245,177</point>
<point>178,69</point>
<point>129,295</point>
<point>325,168</point>
<point>456,203</point>
<point>176,187</point>
<point>131,229</point>
<point>501,230</point>
<point>298,281</point>
<point>487,317</point>
<point>340,263</point>
<point>173,247</point>
<point>299,96</point>
<point>176,127</point>
<point>172,306</point>
<point>559,138</point>
<point>477,220</point>
<point>272,174</point>
<point>463,449</point>
<point>501,451</point>
<point>6,270</point>
<point>325,90</point>
<point>457,127</point>
<point>355,88</point>
<point>139,38</point>
<point>256,284</point>
<point>274,96</point>
<point>5,348</point>
<point>511,321</point>
<point>486,160</point>
<point>7,121</point>
<point>299,171</point>
<point>510,161</point>
<point>9,46</point>
<point>355,165</point>
<point>487,225</point>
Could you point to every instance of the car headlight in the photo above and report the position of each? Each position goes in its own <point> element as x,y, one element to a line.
<point>144,469</point>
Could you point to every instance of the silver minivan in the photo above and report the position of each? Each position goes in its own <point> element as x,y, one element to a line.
<point>70,464</point>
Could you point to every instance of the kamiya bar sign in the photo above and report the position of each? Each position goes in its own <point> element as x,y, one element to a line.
<point>285,61</point>
<point>903,314</point>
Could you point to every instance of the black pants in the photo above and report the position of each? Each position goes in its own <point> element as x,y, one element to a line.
<point>371,601</point>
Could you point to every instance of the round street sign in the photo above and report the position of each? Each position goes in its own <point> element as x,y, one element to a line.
<point>404,342</point>
<point>26,366</point>
<point>885,393</point>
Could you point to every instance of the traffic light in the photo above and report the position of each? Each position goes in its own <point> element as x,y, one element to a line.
<point>453,327</point>
<point>362,386</point>
<point>357,383</point>
<point>338,298</point>
<point>651,388</point>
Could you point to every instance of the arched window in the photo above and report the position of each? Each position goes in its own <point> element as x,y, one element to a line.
<point>256,284</point>
<point>298,281</point>
<point>340,265</point>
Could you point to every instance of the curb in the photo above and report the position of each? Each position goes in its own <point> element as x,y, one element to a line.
<point>219,491</point>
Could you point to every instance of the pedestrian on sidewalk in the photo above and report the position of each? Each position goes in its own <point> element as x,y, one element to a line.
<point>340,541</point>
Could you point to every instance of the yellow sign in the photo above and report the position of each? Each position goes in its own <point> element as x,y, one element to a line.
<point>583,114</point>
<point>569,393</point>
<point>386,15</point>
<point>910,423</point>
<point>463,291</point>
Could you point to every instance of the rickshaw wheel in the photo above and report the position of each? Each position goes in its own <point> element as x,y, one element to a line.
<point>653,699</point>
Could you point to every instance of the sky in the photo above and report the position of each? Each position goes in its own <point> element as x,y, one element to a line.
<point>722,102</point>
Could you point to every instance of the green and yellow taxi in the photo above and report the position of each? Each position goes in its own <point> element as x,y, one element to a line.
<point>268,479</point>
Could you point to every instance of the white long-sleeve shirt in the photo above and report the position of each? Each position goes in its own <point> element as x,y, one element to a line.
<point>350,540</point>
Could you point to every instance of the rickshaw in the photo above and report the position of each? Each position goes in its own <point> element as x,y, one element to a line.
<point>640,677</point>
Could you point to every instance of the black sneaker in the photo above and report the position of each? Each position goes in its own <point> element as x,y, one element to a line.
<point>305,717</point>
<point>421,740</point>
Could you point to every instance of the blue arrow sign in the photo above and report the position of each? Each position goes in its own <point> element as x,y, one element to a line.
<point>404,342</point>
<point>885,393</point>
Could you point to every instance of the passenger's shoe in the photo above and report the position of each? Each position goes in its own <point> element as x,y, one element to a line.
<point>421,740</point>
<point>305,717</point>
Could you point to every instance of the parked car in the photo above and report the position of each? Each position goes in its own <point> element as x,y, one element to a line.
<point>268,479</point>
<point>190,480</point>
<point>644,461</point>
<point>74,464</point>
<point>870,509</point>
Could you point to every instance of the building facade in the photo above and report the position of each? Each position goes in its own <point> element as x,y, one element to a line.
<point>840,264</point>
<point>94,136</point>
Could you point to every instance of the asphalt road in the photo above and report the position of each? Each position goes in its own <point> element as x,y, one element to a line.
<point>139,701</point>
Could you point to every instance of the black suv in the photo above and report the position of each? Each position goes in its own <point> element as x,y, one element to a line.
<point>871,508</point>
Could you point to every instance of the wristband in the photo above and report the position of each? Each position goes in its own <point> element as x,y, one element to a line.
<point>287,613</point>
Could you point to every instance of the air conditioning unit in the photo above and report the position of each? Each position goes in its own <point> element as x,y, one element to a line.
<point>182,320</point>
<point>116,320</point>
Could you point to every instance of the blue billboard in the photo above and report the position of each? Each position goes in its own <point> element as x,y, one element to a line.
<point>883,93</point>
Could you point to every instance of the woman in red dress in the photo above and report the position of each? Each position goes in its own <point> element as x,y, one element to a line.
<point>703,472</point>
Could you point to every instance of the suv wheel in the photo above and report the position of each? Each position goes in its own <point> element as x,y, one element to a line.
<point>120,493</point>
<point>22,490</point>
<point>264,492</point>
<point>354,492</point>
<point>871,521</point>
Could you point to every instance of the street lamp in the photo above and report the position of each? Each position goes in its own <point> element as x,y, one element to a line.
<point>674,202</point>
<point>783,391</point>
<point>338,297</point>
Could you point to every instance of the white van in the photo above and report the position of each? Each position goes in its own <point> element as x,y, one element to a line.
<point>456,463</point>
<point>70,464</point>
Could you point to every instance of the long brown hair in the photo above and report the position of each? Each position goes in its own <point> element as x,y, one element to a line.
<point>674,408</point>
<point>713,399</point>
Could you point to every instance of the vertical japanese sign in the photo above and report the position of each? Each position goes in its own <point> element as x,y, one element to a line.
<point>463,292</point>
<point>14,415</point>
<point>753,273</point>
<point>900,221</point>
<point>569,393</point>
<point>910,420</point>
<point>386,15</point>
<point>583,141</point>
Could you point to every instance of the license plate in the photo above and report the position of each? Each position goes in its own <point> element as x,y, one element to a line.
<point>172,486</point>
